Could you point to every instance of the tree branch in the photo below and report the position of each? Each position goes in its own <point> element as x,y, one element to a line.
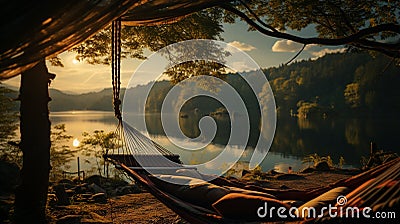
<point>344,16</point>
<point>257,17</point>
<point>355,39</point>
<point>297,54</point>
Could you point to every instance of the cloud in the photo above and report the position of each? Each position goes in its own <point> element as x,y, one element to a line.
<point>318,54</point>
<point>286,46</point>
<point>289,46</point>
<point>242,46</point>
<point>241,66</point>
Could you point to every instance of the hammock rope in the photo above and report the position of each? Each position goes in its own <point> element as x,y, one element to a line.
<point>132,144</point>
<point>116,66</point>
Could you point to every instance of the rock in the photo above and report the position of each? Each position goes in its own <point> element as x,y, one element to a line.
<point>96,179</point>
<point>82,197</point>
<point>247,176</point>
<point>308,170</point>
<point>99,198</point>
<point>179,220</point>
<point>68,184</point>
<point>289,176</point>
<point>244,172</point>
<point>85,196</point>
<point>77,180</point>
<point>130,189</point>
<point>70,192</point>
<point>96,189</point>
<point>62,196</point>
<point>231,178</point>
<point>81,188</point>
<point>69,219</point>
<point>114,183</point>
<point>322,166</point>
<point>52,199</point>
<point>273,172</point>
<point>66,181</point>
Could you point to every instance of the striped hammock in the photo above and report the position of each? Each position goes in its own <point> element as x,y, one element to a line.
<point>378,188</point>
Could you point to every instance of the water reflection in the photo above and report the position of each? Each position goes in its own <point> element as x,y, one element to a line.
<point>349,138</point>
<point>297,138</point>
<point>294,138</point>
<point>77,122</point>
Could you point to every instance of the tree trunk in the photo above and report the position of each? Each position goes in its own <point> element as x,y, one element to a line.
<point>31,194</point>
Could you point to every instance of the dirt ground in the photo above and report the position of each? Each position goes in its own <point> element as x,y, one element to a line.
<point>131,208</point>
<point>307,180</point>
<point>143,208</point>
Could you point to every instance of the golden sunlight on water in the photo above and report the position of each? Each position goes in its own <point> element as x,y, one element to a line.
<point>77,122</point>
<point>76,142</point>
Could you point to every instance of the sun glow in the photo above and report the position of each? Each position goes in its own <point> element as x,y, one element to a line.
<point>76,142</point>
<point>74,61</point>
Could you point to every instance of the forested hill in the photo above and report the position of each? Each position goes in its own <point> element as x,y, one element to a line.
<point>334,85</point>
<point>338,83</point>
<point>89,101</point>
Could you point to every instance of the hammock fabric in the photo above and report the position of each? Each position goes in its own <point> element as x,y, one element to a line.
<point>135,145</point>
<point>33,30</point>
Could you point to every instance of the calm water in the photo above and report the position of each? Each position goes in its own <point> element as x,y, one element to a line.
<point>294,138</point>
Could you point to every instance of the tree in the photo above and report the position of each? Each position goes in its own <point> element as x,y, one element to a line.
<point>352,95</point>
<point>205,24</point>
<point>60,151</point>
<point>307,109</point>
<point>31,194</point>
<point>100,140</point>
<point>370,24</point>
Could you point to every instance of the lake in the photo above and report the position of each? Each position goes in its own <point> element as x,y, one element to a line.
<point>294,138</point>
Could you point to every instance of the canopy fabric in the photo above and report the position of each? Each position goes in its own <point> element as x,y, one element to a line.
<point>33,30</point>
<point>167,11</point>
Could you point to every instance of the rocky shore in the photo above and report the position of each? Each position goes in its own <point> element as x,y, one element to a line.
<point>106,200</point>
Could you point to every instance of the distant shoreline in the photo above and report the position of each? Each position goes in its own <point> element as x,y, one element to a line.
<point>81,112</point>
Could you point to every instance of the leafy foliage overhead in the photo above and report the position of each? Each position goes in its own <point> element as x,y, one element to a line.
<point>40,29</point>
<point>205,24</point>
<point>369,24</point>
<point>35,31</point>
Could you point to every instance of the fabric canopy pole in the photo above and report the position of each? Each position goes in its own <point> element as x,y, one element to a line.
<point>33,30</point>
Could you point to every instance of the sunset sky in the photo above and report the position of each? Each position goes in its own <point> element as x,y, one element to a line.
<point>79,77</point>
